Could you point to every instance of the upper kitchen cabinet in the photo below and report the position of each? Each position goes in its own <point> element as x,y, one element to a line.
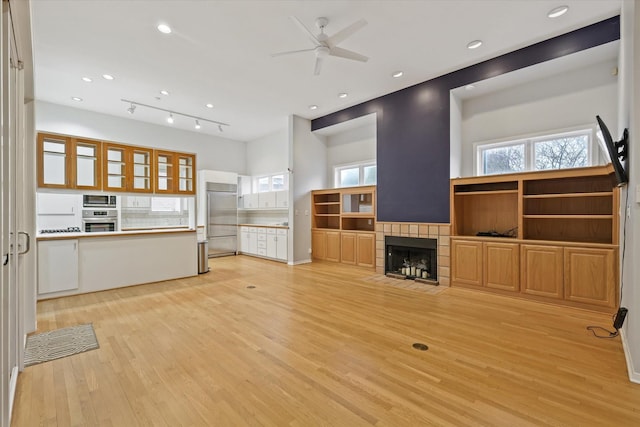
<point>67,162</point>
<point>175,172</point>
<point>128,168</point>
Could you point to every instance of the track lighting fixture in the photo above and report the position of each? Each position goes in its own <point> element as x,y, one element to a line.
<point>134,104</point>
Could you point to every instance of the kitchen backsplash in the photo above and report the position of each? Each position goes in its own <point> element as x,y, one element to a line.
<point>147,219</point>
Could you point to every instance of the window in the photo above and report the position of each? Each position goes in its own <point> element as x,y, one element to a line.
<point>355,174</point>
<point>275,182</point>
<point>560,151</point>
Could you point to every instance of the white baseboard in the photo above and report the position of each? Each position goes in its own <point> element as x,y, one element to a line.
<point>13,383</point>
<point>304,261</point>
<point>634,376</point>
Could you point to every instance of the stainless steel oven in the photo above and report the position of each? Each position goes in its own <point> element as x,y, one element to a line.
<point>99,201</point>
<point>94,221</point>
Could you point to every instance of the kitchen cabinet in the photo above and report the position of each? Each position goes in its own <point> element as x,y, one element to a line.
<point>277,243</point>
<point>67,162</point>
<point>174,172</point>
<point>282,199</point>
<point>253,240</point>
<point>250,201</point>
<point>57,266</point>
<point>266,242</point>
<point>127,168</point>
<point>136,202</point>
<point>244,239</point>
<point>267,200</point>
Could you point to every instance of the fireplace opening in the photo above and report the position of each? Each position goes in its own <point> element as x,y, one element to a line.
<point>411,258</point>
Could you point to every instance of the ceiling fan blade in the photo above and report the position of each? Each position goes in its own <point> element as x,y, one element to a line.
<point>318,66</point>
<point>346,32</point>
<point>289,52</point>
<point>305,30</point>
<point>347,54</point>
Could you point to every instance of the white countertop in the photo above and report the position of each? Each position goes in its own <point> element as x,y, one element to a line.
<point>82,234</point>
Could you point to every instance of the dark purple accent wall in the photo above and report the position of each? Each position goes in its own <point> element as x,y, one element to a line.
<point>413,126</point>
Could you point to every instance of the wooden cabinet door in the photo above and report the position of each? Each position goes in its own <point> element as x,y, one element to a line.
<point>115,167</point>
<point>87,164</point>
<point>366,252</point>
<point>319,244</point>
<point>542,271</point>
<point>333,246</point>
<point>466,262</point>
<point>164,172</point>
<point>589,276</point>
<point>502,266</point>
<point>141,170</point>
<point>185,170</point>
<point>54,161</point>
<point>349,248</point>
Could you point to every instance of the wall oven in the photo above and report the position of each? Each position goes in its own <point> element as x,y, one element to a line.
<point>94,221</point>
<point>99,201</point>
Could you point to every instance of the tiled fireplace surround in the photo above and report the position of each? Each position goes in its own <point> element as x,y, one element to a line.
<point>416,229</point>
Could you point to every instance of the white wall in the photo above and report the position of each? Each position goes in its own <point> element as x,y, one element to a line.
<point>455,136</point>
<point>212,152</point>
<point>352,146</point>
<point>559,102</point>
<point>269,154</point>
<point>309,155</point>
<point>630,67</point>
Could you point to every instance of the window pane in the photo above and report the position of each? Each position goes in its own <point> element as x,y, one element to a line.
<point>369,173</point>
<point>349,177</point>
<point>503,159</point>
<point>263,184</point>
<point>277,182</point>
<point>560,153</point>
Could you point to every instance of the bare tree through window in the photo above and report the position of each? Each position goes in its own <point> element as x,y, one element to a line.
<point>560,153</point>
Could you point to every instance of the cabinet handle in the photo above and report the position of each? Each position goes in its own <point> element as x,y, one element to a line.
<point>75,245</point>
<point>6,260</point>
<point>28,245</point>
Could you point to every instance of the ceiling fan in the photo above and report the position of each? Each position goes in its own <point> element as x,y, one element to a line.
<point>325,45</point>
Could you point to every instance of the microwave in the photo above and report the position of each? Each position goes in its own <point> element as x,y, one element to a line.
<point>98,201</point>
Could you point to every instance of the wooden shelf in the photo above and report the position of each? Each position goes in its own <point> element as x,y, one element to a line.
<point>318,214</point>
<point>326,203</point>
<point>568,195</point>
<point>567,216</point>
<point>485,193</point>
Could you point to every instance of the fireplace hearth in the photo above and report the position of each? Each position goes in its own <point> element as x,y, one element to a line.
<point>411,258</point>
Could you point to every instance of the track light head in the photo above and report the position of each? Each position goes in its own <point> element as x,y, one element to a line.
<point>170,119</point>
<point>197,126</point>
<point>220,128</point>
<point>131,109</point>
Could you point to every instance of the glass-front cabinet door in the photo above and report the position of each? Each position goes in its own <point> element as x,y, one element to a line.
<point>115,173</point>
<point>88,161</point>
<point>141,169</point>
<point>186,167</point>
<point>54,161</point>
<point>165,175</point>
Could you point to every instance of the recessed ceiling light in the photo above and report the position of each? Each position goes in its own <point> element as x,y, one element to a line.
<point>87,79</point>
<point>558,11</point>
<point>76,98</point>
<point>107,76</point>
<point>313,107</point>
<point>397,74</point>
<point>209,105</point>
<point>474,44</point>
<point>342,95</point>
<point>469,87</point>
<point>164,92</point>
<point>164,28</point>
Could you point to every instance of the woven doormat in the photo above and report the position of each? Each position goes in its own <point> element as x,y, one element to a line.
<point>59,343</point>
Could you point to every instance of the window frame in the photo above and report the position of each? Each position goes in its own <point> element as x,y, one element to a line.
<point>529,142</point>
<point>361,166</point>
<point>255,188</point>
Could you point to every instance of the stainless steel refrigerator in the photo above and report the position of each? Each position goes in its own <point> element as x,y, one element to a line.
<point>222,219</point>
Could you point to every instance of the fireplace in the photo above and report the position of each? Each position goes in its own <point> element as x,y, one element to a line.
<point>411,257</point>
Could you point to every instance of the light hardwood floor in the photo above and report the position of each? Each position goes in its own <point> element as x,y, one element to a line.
<point>323,344</point>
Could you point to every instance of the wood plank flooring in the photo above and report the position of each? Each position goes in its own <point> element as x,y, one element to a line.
<point>322,344</point>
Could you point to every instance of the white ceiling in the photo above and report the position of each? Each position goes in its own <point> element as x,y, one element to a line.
<point>219,52</point>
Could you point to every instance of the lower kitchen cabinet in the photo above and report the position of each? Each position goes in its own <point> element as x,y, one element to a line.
<point>542,271</point>
<point>57,266</point>
<point>264,242</point>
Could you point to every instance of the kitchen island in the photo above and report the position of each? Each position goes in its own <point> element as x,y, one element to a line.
<point>76,263</point>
